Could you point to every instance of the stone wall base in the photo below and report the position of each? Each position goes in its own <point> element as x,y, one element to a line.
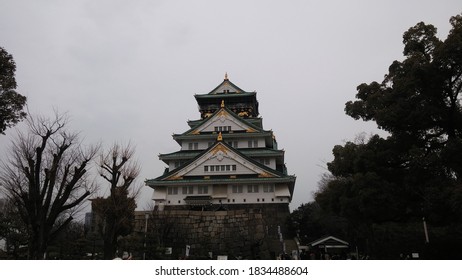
<point>241,231</point>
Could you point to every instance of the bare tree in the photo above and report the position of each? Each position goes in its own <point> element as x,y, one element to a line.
<point>45,176</point>
<point>116,212</point>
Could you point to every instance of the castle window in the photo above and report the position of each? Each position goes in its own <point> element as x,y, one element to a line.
<point>222,128</point>
<point>193,146</point>
<point>172,190</point>
<point>252,144</point>
<point>220,168</point>
<point>252,188</point>
<point>233,144</point>
<point>237,189</point>
<point>187,190</point>
<point>268,188</point>
<point>203,190</point>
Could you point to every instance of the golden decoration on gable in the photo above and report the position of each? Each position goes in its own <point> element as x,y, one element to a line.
<point>243,114</point>
<point>219,148</point>
<point>223,113</point>
<point>265,175</point>
<point>176,177</point>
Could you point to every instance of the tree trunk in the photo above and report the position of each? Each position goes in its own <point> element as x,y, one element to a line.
<point>110,244</point>
<point>37,249</point>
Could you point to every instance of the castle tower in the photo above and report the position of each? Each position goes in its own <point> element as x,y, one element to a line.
<point>227,161</point>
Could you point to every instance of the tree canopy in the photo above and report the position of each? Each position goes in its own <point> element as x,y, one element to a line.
<point>11,102</point>
<point>416,171</point>
<point>116,212</point>
<point>45,179</point>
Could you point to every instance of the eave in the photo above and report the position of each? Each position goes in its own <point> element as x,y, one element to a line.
<point>250,152</point>
<point>290,180</point>
<point>228,111</point>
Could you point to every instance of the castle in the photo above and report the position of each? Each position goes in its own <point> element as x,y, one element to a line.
<point>228,168</point>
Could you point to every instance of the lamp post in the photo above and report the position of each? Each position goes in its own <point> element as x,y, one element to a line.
<point>146,217</point>
<point>427,240</point>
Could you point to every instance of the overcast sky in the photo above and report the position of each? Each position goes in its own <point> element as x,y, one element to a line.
<point>127,71</point>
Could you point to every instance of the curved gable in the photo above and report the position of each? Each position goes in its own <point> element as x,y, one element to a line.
<point>221,159</point>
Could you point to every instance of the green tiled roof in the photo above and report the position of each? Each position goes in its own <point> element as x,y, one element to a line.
<point>186,181</point>
<point>224,95</point>
<point>226,81</point>
<point>251,152</point>
<point>225,135</point>
<point>250,124</point>
<point>255,121</point>
<point>262,166</point>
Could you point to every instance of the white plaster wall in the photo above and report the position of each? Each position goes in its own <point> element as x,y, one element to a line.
<point>239,198</point>
<point>222,121</point>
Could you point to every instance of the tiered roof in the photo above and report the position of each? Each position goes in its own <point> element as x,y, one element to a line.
<point>239,108</point>
<point>244,103</point>
<point>257,172</point>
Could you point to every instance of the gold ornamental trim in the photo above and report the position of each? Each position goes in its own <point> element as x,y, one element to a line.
<point>265,175</point>
<point>219,148</point>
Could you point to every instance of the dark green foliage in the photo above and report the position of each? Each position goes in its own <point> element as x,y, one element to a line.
<point>12,230</point>
<point>11,102</point>
<point>386,185</point>
<point>309,222</point>
<point>117,213</point>
<point>70,244</point>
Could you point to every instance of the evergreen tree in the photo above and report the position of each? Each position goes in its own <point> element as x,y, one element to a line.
<point>11,102</point>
